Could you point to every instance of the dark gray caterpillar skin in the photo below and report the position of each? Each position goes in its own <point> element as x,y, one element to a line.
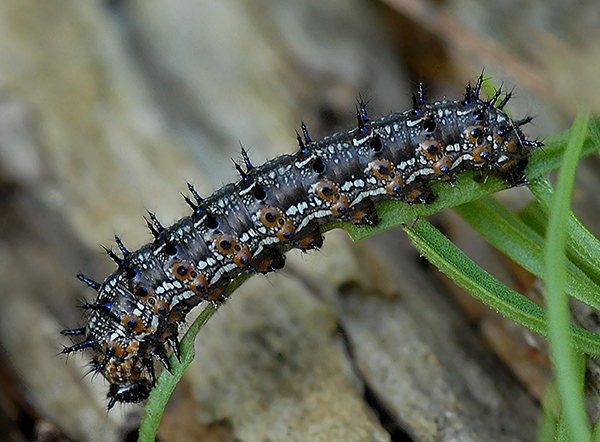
<point>240,228</point>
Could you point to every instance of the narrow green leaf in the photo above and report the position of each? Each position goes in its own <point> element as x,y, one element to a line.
<point>583,248</point>
<point>440,251</point>
<point>534,216</point>
<point>557,305</point>
<point>505,231</point>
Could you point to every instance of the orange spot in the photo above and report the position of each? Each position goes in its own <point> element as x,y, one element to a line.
<point>286,232</point>
<point>133,323</point>
<point>199,285</point>
<point>341,206</point>
<point>175,317</point>
<point>226,244</point>
<point>394,186</point>
<point>160,307</point>
<point>414,194</point>
<point>326,190</point>
<point>357,217</point>
<point>269,217</point>
<point>381,169</point>
<point>431,148</point>
<point>442,166</point>
<point>125,368</point>
<point>182,270</point>
<point>113,347</point>
<point>473,133</point>
<point>305,242</point>
<point>133,347</point>
<point>120,371</point>
<point>110,371</point>
<point>215,294</point>
<point>117,373</point>
<point>508,164</point>
<point>481,153</point>
<point>512,147</point>
<point>243,257</point>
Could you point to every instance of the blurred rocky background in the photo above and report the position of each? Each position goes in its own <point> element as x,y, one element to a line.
<point>108,108</point>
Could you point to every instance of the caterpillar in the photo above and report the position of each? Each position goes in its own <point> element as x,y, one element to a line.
<point>244,227</point>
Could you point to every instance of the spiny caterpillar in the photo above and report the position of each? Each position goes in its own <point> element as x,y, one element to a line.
<point>243,227</point>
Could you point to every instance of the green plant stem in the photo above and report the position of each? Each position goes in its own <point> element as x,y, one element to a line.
<point>166,382</point>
